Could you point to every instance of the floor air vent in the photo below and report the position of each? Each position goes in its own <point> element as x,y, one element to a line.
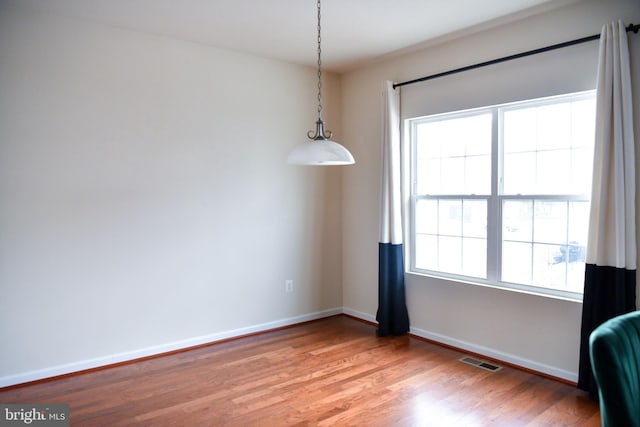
<point>480,364</point>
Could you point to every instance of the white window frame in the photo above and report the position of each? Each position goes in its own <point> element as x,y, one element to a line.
<point>494,200</point>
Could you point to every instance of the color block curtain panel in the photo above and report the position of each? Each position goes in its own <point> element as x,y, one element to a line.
<point>610,276</point>
<point>392,315</point>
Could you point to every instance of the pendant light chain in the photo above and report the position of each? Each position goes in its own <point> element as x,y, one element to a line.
<point>321,151</point>
<point>320,133</point>
<point>319,66</point>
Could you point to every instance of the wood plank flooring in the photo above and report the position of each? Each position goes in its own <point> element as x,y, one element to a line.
<point>331,372</point>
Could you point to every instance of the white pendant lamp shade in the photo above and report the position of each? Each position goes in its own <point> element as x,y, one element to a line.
<point>320,151</point>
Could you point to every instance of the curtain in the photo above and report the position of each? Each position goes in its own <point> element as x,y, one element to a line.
<point>392,315</point>
<point>610,274</point>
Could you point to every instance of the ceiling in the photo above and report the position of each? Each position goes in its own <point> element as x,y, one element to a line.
<point>354,32</point>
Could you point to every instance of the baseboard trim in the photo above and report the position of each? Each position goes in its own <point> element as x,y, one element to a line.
<point>498,356</point>
<point>75,368</point>
<point>359,315</point>
<point>486,352</point>
<point>83,366</point>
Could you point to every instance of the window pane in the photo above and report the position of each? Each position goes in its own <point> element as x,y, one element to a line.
<point>450,254</point>
<point>549,270</point>
<point>474,222</point>
<point>553,126</point>
<point>453,140</point>
<point>553,172</point>
<point>426,252</point>
<point>559,267</point>
<point>519,171</point>
<point>477,174</point>
<point>452,176</point>
<point>546,238</point>
<point>519,130</point>
<point>547,148</point>
<point>428,140</point>
<point>450,217</point>
<point>517,220</point>
<point>440,245</point>
<point>581,170</point>
<point>476,132</point>
<point>579,222</point>
<point>583,119</point>
<point>429,177</point>
<point>516,262</point>
<point>427,216</point>
<point>550,222</point>
<point>474,257</point>
<point>454,155</point>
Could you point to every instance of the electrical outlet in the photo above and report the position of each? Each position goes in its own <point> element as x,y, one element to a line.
<point>288,285</point>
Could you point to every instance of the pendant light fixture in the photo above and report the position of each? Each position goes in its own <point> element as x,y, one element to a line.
<point>321,151</point>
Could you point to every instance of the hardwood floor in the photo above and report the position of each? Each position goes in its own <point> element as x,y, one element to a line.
<point>331,372</point>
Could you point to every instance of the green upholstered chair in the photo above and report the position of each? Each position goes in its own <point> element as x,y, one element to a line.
<point>615,358</point>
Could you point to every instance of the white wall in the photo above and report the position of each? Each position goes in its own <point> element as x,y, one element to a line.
<point>536,332</point>
<point>145,199</point>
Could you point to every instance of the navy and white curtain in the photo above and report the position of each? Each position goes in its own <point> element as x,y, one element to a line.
<point>392,315</point>
<point>610,276</point>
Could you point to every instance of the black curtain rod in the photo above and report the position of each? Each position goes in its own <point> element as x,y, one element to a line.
<point>631,27</point>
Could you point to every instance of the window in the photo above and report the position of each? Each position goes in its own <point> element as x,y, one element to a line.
<point>500,195</point>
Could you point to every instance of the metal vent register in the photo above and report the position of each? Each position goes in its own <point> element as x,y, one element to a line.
<point>480,364</point>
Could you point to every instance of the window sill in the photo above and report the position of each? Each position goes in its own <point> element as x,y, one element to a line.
<point>521,289</point>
